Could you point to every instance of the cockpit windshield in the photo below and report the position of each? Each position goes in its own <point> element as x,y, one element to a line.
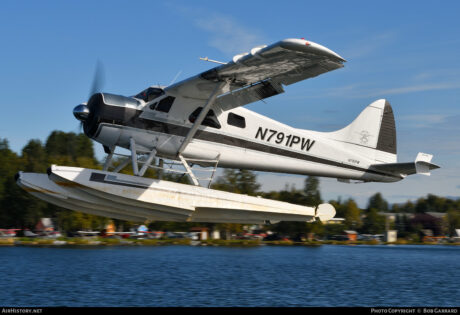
<point>149,94</point>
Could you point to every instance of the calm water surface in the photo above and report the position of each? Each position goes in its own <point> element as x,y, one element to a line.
<point>221,276</point>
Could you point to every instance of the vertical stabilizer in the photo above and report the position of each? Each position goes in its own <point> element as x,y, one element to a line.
<point>373,129</point>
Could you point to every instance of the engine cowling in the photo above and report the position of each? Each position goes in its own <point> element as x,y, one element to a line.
<point>105,107</point>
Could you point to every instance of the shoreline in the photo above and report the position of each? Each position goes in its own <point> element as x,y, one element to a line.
<point>98,241</point>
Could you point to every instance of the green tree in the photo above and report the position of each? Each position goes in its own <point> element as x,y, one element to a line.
<point>408,207</point>
<point>9,164</point>
<point>312,193</point>
<point>316,227</point>
<point>421,206</point>
<point>68,148</point>
<point>18,208</point>
<point>293,195</point>
<point>452,221</point>
<point>247,182</point>
<point>433,203</point>
<point>238,181</point>
<point>402,225</point>
<point>34,157</point>
<point>72,221</point>
<point>352,215</point>
<point>373,222</point>
<point>377,202</point>
<point>22,209</point>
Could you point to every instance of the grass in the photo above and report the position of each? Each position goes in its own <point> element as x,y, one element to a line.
<point>178,241</point>
<point>6,241</point>
<point>150,242</point>
<point>232,242</point>
<point>284,243</point>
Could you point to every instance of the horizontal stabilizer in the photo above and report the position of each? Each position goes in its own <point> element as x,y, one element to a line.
<point>422,165</point>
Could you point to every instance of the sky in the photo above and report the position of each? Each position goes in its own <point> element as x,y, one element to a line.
<point>404,51</point>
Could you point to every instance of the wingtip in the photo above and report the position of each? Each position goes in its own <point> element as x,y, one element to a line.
<point>306,45</point>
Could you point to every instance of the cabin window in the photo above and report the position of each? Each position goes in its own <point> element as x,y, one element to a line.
<point>149,94</point>
<point>165,104</point>
<point>236,120</point>
<point>210,120</point>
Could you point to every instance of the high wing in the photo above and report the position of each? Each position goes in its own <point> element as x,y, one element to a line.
<point>261,73</point>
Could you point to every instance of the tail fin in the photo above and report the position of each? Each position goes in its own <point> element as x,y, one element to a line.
<point>373,132</point>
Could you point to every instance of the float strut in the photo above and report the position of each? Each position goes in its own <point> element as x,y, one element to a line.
<point>122,165</point>
<point>160,165</point>
<point>147,162</point>
<point>189,171</point>
<point>132,146</point>
<point>108,160</point>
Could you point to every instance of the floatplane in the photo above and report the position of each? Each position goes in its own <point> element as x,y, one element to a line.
<point>201,121</point>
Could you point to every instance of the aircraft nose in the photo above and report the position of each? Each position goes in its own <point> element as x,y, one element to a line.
<point>81,112</point>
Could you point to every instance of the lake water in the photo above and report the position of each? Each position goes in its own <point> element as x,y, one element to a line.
<point>221,276</point>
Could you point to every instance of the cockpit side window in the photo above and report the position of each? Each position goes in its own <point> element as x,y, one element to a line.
<point>149,94</point>
<point>165,104</point>
<point>236,120</point>
<point>210,120</point>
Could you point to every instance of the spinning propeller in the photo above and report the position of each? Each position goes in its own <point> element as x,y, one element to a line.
<point>82,111</point>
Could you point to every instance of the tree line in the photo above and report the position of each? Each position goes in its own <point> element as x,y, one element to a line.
<point>19,209</point>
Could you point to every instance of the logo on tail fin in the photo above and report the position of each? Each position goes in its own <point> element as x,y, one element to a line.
<point>364,137</point>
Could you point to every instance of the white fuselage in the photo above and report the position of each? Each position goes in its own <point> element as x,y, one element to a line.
<point>261,143</point>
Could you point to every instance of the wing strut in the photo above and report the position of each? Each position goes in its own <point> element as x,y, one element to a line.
<point>219,87</point>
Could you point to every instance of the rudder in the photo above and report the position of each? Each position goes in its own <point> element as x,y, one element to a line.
<point>387,134</point>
